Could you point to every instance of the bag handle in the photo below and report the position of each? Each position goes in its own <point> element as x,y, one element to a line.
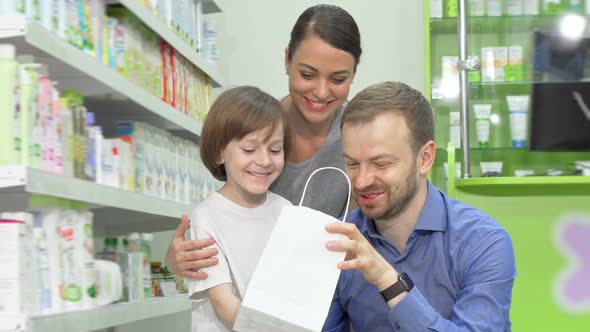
<point>323,169</point>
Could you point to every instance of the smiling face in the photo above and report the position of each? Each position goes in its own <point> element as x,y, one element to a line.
<point>252,164</point>
<point>320,76</point>
<point>382,165</point>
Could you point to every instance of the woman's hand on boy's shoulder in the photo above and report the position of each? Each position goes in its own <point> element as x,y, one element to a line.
<point>186,257</point>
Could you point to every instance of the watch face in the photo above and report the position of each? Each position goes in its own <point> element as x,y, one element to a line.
<point>406,281</point>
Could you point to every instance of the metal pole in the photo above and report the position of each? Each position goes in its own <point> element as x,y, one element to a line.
<point>463,88</point>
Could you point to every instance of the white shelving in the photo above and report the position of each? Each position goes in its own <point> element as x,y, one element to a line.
<point>108,316</point>
<point>117,210</point>
<point>73,68</point>
<point>113,97</point>
<point>160,28</point>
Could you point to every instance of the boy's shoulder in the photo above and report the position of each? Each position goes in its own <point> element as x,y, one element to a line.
<point>202,213</point>
<point>275,199</point>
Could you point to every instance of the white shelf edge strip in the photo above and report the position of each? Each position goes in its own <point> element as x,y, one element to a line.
<point>44,183</point>
<point>39,37</point>
<point>109,315</point>
<point>152,21</point>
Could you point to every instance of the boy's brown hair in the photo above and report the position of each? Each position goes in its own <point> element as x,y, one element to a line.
<point>236,113</point>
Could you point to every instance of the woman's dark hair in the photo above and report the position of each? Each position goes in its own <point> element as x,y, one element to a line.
<point>331,24</point>
<point>236,113</point>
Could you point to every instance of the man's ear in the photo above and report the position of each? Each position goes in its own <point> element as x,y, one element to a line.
<point>426,157</point>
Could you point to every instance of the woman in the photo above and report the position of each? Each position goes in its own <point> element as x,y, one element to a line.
<point>321,61</point>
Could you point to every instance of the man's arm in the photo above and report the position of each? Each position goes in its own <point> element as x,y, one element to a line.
<point>186,258</point>
<point>225,303</point>
<point>483,304</point>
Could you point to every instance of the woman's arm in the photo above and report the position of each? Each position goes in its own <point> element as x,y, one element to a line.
<point>186,258</point>
<point>225,303</point>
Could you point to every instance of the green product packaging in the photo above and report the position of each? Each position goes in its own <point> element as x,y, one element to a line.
<point>553,7</point>
<point>10,112</point>
<point>28,102</point>
<point>514,73</point>
<point>451,8</point>
<point>68,136</point>
<point>474,76</point>
<point>145,248</point>
<point>77,114</point>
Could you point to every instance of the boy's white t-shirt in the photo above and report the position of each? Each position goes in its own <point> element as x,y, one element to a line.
<point>240,235</point>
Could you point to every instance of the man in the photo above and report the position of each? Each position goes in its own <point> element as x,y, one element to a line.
<point>416,259</point>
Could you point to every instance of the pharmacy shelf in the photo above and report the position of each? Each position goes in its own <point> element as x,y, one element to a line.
<point>108,316</point>
<point>526,186</point>
<point>522,24</point>
<point>160,28</point>
<point>116,210</point>
<point>74,69</point>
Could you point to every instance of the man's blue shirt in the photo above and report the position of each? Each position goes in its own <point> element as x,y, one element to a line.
<point>462,264</point>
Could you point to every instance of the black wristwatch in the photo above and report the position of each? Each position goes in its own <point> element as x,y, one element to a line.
<point>403,284</point>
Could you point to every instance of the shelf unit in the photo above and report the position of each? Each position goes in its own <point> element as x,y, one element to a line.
<point>497,24</point>
<point>74,69</point>
<point>108,316</point>
<point>534,210</point>
<point>116,212</point>
<point>156,24</point>
<point>119,211</point>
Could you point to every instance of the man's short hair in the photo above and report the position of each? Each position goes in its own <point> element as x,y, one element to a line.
<point>393,97</point>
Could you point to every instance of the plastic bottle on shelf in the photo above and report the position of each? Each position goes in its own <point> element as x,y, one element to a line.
<point>12,7</point>
<point>33,9</point>
<point>28,103</point>
<point>90,139</point>
<point>135,276</point>
<point>10,112</point>
<point>145,248</point>
<point>210,41</point>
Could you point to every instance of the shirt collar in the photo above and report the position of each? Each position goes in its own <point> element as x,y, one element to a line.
<point>434,213</point>
<point>432,218</point>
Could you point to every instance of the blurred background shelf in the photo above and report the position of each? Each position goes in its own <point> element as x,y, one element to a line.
<point>494,25</point>
<point>188,51</point>
<point>108,316</point>
<point>119,98</point>
<point>117,211</point>
<point>526,185</point>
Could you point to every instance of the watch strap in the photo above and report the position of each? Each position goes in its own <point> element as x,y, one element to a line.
<point>394,290</point>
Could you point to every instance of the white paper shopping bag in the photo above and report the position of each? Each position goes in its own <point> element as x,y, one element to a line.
<point>292,287</point>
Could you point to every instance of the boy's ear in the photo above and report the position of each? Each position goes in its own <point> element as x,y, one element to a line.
<point>219,160</point>
<point>287,62</point>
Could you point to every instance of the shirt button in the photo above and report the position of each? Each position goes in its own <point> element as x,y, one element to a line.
<point>397,326</point>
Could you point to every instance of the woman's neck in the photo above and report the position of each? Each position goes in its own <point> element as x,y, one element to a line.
<point>307,137</point>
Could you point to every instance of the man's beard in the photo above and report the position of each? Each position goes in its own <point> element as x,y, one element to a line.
<point>398,201</point>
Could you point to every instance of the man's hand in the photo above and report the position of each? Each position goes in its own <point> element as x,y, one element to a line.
<point>185,258</point>
<point>361,256</point>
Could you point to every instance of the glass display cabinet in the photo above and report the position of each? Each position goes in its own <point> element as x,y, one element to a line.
<point>520,68</point>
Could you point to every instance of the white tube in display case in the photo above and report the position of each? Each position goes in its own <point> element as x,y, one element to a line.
<point>455,129</point>
<point>482,124</point>
<point>518,108</point>
<point>477,7</point>
<point>530,7</point>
